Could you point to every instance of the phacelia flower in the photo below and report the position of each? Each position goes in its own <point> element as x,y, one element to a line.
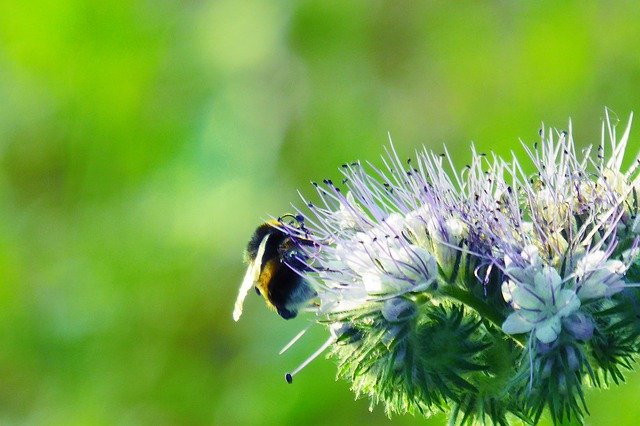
<point>598,277</point>
<point>491,292</point>
<point>540,302</point>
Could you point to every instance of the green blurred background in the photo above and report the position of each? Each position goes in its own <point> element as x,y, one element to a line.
<point>142,141</point>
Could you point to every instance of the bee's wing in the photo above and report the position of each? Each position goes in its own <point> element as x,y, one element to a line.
<point>250,279</point>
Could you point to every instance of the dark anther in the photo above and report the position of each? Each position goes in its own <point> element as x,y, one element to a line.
<point>345,181</point>
<point>314,183</point>
<point>345,166</point>
<point>299,218</point>
<point>289,378</point>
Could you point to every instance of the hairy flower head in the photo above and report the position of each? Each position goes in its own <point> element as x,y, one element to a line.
<point>488,292</point>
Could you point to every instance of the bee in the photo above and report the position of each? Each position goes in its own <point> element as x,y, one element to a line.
<point>272,256</point>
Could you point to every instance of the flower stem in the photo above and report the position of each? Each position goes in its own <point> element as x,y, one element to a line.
<point>480,306</point>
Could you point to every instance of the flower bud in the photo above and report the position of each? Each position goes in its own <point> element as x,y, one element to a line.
<point>572,358</point>
<point>398,309</point>
<point>579,326</point>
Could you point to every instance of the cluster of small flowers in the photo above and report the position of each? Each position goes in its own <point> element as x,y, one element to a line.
<point>487,293</point>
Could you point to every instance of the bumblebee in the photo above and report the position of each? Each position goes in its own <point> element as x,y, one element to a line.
<point>272,256</point>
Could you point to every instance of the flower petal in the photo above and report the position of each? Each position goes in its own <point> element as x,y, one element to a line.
<point>516,324</point>
<point>548,331</point>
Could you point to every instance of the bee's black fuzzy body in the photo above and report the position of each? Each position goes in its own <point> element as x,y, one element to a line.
<point>284,289</point>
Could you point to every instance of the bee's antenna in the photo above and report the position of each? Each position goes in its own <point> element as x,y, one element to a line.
<point>289,376</point>
<point>296,217</point>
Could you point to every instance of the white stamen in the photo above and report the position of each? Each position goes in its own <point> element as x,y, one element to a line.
<point>330,341</point>
<point>295,339</point>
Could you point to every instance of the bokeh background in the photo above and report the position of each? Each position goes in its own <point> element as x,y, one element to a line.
<point>142,141</point>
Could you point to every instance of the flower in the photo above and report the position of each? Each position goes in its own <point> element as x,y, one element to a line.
<point>540,302</point>
<point>489,291</point>
<point>598,277</point>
